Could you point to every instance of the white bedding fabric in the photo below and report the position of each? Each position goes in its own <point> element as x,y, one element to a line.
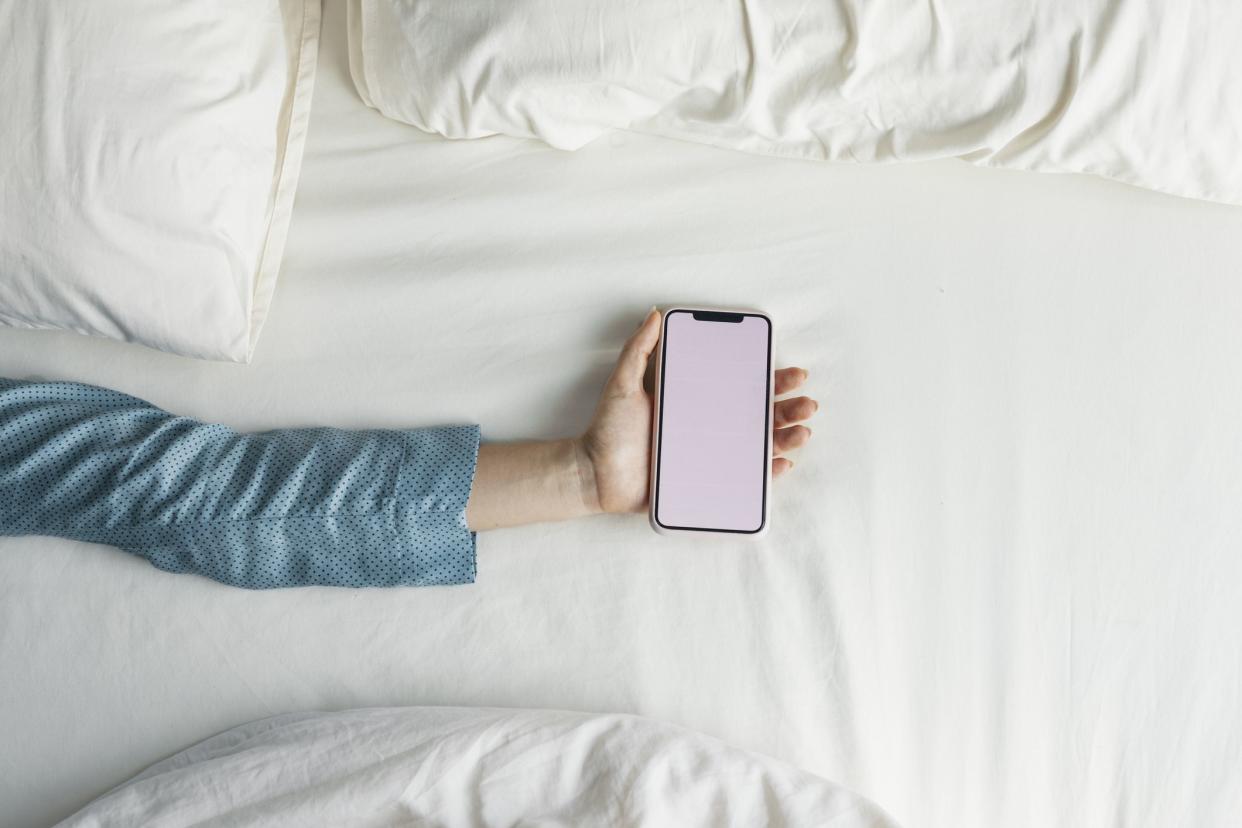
<point>149,153</point>
<point>1145,93</point>
<point>1000,587</point>
<point>469,767</point>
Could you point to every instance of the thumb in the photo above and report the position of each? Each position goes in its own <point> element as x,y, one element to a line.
<point>627,377</point>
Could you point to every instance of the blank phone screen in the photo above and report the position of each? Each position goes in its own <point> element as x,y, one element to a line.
<point>711,471</point>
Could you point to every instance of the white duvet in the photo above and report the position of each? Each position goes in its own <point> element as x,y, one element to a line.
<point>457,766</point>
<point>1145,93</point>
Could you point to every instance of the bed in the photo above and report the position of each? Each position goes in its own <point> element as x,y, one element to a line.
<point>1001,587</point>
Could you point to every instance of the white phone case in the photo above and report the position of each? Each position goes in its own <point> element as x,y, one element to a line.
<point>655,430</point>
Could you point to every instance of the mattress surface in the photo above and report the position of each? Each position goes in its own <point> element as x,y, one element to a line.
<point>1001,587</point>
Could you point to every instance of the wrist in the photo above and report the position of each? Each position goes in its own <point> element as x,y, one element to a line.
<point>587,488</point>
<point>533,482</point>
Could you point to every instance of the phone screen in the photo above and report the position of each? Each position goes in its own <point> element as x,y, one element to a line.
<point>712,463</point>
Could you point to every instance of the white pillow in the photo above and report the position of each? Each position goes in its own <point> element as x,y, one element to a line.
<point>1146,93</point>
<point>460,766</point>
<point>149,153</point>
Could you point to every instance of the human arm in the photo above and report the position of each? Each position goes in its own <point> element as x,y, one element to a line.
<point>291,507</point>
<point>295,507</point>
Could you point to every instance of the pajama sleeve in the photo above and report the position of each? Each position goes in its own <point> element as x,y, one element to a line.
<point>283,508</point>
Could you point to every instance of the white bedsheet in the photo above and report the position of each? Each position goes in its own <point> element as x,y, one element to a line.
<point>1001,586</point>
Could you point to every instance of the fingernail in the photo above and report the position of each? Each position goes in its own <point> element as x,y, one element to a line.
<point>808,431</point>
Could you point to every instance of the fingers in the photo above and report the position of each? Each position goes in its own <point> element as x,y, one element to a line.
<point>787,435</point>
<point>788,439</point>
<point>794,410</point>
<point>627,377</point>
<point>789,379</point>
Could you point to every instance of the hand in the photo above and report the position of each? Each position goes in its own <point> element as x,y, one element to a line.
<point>617,446</point>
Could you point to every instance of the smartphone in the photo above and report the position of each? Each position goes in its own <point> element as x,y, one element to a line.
<point>712,437</point>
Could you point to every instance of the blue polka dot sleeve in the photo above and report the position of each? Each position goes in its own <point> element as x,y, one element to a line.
<point>277,509</point>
